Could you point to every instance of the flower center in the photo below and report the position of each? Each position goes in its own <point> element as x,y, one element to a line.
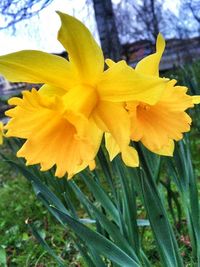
<point>82,99</point>
<point>144,106</point>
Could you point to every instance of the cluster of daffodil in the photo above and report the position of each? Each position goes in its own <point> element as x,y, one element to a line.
<point>63,122</point>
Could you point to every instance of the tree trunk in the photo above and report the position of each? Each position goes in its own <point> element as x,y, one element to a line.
<point>107,29</point>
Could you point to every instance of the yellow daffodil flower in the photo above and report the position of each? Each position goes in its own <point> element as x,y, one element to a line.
<point>158,125</point>
<point>64,121</point>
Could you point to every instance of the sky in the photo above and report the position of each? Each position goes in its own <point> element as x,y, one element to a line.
<point>40,32</point>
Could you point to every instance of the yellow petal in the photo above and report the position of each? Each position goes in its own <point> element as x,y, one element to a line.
<point>111,114</point>
<point>129,154</point>
<point>84,53</point>
<point>166,150</point>
<point>150,64</point>
<point>51,91</point>
<point>96,136</point>
<point>196,99</point>
<point>31,113</point>
<point>116,119</point>
<point>121,83</point>
<point>37,67</point>
<point>82,99</point>
<point>110,63</point>
<point>111,146</point>
<point>130,157</point>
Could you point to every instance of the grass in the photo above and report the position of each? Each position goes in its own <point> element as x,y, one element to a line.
<point>18,247</point>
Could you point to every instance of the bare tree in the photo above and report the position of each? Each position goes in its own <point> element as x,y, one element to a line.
<point>139,19</point>
<point>13,11</point>
<point>194,6</point>
<point>193,14</point>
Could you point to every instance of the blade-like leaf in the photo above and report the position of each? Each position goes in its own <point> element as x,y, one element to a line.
<point>110,227</point>
<point>44,244</point>
<point>104,246</point>
<point>102,197</point>
<point>163,233</point>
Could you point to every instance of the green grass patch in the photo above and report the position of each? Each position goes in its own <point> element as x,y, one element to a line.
<point>18,247</point>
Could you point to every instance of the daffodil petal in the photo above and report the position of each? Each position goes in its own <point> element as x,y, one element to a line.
<point>196,99</point>
<point>110,63</point>
<point>96,136</point>
<point>166,150</point>
<point>51,91</point>
<point>82,99</point>
<point>111,146</point>
<point>84,53</point>
<point>121,83</point>
<point>129,154</point>
<point>31,113</point>
<point>150,64</point>
<point>111,114</point>
<point>37,67</point>
<point>130,157</point>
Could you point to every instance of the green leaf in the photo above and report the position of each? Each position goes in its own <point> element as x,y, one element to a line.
<point>153,161</point>
<point>109,226</point>
<point>163,233</point>
<point>104,246</point>
<point>128,199</point>
<point>102,197</point>
<point>157,214</point>
<point>2,257</point>
<point>84,253</point>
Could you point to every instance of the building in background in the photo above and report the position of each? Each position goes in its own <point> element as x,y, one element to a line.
<point>177,52</point>
<point>8,88</point>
